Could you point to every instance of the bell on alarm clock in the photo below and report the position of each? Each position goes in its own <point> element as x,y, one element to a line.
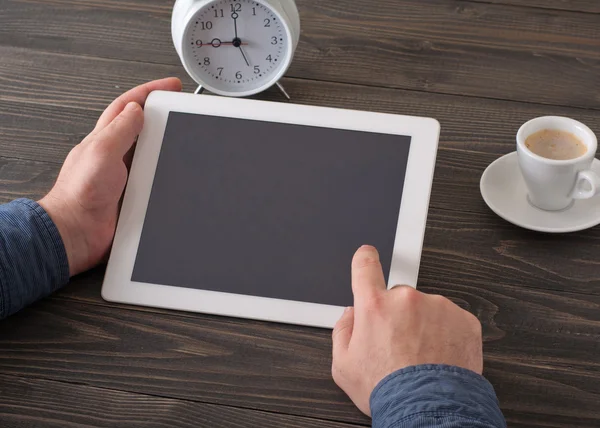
<point>235,47</point>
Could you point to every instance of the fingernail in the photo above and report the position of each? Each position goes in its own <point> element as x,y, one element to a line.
<point>347,309</point>
<point>131,106</point>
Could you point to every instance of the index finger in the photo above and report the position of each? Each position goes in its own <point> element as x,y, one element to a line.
<point>367,274</point>
<point>138,95</point>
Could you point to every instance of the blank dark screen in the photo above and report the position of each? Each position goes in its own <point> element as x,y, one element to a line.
<point>269,209</point>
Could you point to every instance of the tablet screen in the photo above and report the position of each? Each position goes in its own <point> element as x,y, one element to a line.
<point>269,209</point>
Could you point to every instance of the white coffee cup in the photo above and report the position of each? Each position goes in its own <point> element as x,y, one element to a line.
<point>554,184</point>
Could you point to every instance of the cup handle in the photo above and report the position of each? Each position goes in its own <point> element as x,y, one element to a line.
<point>586,177</point>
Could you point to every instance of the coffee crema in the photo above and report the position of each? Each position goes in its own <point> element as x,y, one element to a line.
<point>555,144</point>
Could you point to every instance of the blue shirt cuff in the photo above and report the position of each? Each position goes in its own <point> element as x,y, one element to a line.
<point>435,396</point>
<point>33,259</point>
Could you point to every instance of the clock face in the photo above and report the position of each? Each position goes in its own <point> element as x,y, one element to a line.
<point>236,46</point>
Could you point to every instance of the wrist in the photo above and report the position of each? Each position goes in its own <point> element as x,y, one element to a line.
<point>70,229</point>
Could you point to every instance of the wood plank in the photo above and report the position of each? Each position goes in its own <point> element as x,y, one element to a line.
<point>468,124</point>
<point>72,81</point>
<point>455,47</point>
<point>539,342</point>
<point>447,46</point>
<point>41,132</point>
<point>36,402</point>
<point>474,131</point>
<point>486,266</point>
<point>540,391</point>
<point>473,135</point>
<point>25,179</point>
<point>207,359</point>
<point>482,250</point>
<point>164,7</point>
<point>589,6</point>
<point>467,244</point>
<point>90,87</point>
<point>537,351</point>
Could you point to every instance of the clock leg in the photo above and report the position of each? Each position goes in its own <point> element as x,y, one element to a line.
<point>283,91</point>
<point>199,90</point>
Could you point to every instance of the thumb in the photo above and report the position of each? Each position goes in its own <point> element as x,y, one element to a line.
<point>342,332</point>
<point>119,135</point>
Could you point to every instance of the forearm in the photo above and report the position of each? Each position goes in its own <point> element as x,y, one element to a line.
<point>435,396</point>
<point>33,261</point>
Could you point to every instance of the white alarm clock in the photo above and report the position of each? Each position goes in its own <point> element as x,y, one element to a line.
<point>235,47</point>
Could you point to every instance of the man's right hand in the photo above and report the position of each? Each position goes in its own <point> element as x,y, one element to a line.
<point>388,330</point>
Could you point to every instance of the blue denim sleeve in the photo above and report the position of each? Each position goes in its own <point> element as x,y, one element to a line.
<point>435,396</point>
<point>33,260</point>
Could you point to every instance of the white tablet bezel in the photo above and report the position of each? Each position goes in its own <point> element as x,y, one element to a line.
<point>118,286</point>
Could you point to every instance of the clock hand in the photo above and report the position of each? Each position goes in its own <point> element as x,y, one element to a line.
<point>215,43</point>
<point>236,41</point>
<point>235,17</point>
<point>238,44</point>
<point>244,55</point>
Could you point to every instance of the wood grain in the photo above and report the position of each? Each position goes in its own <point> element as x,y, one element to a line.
<point>165,6</point>
<point>463,229</point>
<point>25,75</point>
<point>26,402</point>
<point>553,333</point>
<point>250,365</point>
<point>590,6</point>
<point>446,46</point>
<point>474,131</point>
<point>76,360</point>
<point>462,48</point>
<point>41,132</point>
<point>25,179</point>
<point>537,347</point>
<point>79,82</point>
<point>481,262</point>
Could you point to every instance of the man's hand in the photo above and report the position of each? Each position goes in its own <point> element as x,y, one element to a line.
<point>388,330</point>
<point>84,202</point>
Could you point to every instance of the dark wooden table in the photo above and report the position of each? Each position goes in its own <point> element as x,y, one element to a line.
<point>480,67</point>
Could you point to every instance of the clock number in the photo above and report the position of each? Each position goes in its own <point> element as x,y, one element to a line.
<point>220,70</point>
<point>253,11</point>
<point>237,7</point>
<point>199,43</point>
<point>274,40</point>
<point>267,22</point>
<point>205,25</point>
<point>256,69</point>
<point>218,13</point>
<point>206,60</point>
<point>269,58</point>
<point>238,75</point>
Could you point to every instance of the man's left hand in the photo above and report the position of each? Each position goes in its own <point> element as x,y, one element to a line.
<point>84,202</point>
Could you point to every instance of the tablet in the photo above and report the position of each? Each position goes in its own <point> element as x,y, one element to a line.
<point>254,209</point>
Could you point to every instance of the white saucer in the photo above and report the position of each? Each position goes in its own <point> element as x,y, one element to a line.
<point>503,190</point>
